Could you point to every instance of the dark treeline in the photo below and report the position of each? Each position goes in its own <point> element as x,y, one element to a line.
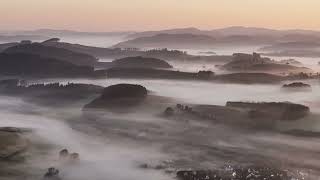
<point>16,85</point>
<point>61,86</point>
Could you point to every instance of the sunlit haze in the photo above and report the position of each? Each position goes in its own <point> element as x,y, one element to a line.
<point>110,15</point>
<point>159,89</point>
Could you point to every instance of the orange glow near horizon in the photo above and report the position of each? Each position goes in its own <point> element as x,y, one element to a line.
<point>110,15</point>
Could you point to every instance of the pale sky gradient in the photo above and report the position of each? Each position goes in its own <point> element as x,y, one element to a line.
<point>111,15</point>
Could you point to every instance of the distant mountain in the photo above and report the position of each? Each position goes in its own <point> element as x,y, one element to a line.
<point>169,41</point>
<point>16,38</point>
<point>229,31</point>
<point>244,31</point>
<point>254,31</point>
<point>62,33</point>
<point>168,31</point>
<point>224,37</point>
<point>230,36</point>
<point>198,41</point>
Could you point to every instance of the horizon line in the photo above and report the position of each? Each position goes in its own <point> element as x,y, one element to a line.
<point>160,29</point>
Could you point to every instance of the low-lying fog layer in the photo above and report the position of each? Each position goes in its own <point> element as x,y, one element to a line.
<point>114,146</point>
<point>310,62</point>
<point>196,92</point>
<point>223,50</point>
<point>101,157</point>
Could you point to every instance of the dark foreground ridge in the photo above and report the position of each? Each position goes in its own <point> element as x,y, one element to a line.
<point>53,94</point>
<point>43,51</point>
<point>18,64</point>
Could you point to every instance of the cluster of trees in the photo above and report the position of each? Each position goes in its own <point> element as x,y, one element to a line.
<point>303,75</point>
<point>283,110</point>
<point>187,109</point>
<point>20,86</point>
<point>165,52</point>
<point>59,85</point>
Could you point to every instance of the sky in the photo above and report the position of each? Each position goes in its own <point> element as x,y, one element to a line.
<point>139,15</point>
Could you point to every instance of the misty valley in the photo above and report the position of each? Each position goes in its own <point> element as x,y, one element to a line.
<point>181,104</point>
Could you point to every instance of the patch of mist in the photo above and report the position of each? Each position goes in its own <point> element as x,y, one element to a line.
<point>196,92</point>
<point>100,158</point>
<point>96,41</point>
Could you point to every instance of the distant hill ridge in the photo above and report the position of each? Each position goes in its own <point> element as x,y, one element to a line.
<point>231,36</point>
<point>228,31</point>
<point>42,50</point>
